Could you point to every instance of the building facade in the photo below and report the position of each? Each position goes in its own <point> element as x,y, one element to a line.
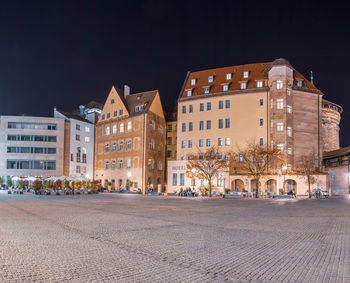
<point>79,135</point>
<point>130,141</point>
<point>269,103</point>
<point>330,125</point>
<point>31,146</point>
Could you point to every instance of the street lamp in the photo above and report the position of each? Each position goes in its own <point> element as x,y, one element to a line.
<point>129,174</point>
<point>284,168</point>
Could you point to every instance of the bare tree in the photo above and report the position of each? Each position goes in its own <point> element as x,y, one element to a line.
<point>207,164</point>
<point>255,161</point>
<point>307,166</point>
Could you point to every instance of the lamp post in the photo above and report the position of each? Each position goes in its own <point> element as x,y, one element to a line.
<point>284,168</point>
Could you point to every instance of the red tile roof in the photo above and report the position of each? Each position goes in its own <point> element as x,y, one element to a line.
<point>257,71</point>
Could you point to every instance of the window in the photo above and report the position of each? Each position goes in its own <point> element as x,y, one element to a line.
<point>280,127</point>
<point>160,129</point>
<point>279,84</point>
<point>77,127</point>
<point>120,163</point>
<point>201,143</point>
<point>183,144</point>
<point>221,123</point>
<point>259,84</point>
<point>114,147</point>
<point>77,137</point>
<point>129,126</point>
<point>225,88</point>
<point>183,127</point>
<point>208,106</point>
<point>107,131</point>
<point>210,79</point>
<point>107,147</point>
<point>190,108</point>
<point>114,129</point>
<point>289,150</point>
<point>228,76</point>
<point>280,103</point>
<point>103,116</point>
<point>261,122</point>
<point>227,141</point>
<point>245,74</point>
<point>243,85</point>
<point>227,123</point>
<point>151,144</point>
<point>208,124</point>
<point>106,165</point>
<point>201,107</point>
<point>189,143</point>
<point>121,128</point>
<point>289,109</point>
<point>160,165</point>
<point>261,141</point>
<point>280,147</point>
<point>261,102</point>
<point>108,115</point>
<point>113,164</point>
<point>189,93</point>
<point>193,81</point>
<point>170,140</point>
<point>87,129</point>
<point>169,153</point>
<point>201,125</point>
<point>182,179</point>
<point>208,142</point>
<point>184,109</point>
<point>227,104</point>
<point>221,104</point>
<point>121,145</point>
<point>289,131</point>
<point>71,157</point>
<point>128,145</point>
<point>190,126</point>
<point>152,125</point>
<point>150,163</point>
<point>206,90</point>
<point>87,139</point>
<point>137,108</point>
<point>219,141</point>
<point>174,179</point>
<point>120,112</point>
<point>128,163</point>
<point>115,113</point>
<point>241,158</point>
<point>299,83</point>
<point>170,128</point>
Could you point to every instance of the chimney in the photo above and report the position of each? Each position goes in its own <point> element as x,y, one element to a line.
<point>81,110</point>
<point>126,90</point>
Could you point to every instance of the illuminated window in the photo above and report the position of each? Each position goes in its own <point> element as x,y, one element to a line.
<point>245,74</point>
<point>193,82</point>
<point>228,76</point>
<point>121,128</point>
<point>280,127</point>
<point>289,150</point>
<point>210,79</point>
<point>227,141</point>
<point>87,129</point>
<point>87,139</point>
<point>129,126</point>
<point>280,103</point>
<point>107,131</point>
<point>243,85</point>
<point>259,84</point>
<point>114,129</point>
<point>189,93</point>
<point>289,109</point>
<point>280,147</point>
<point>289,131</point>
<point>279,84</point>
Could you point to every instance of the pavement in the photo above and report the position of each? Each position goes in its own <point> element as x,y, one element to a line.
<point>134,238</point>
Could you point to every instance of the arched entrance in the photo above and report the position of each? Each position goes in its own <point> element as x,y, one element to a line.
<point>237,185</point>
<point>271,185</point>
<point>289,185</point>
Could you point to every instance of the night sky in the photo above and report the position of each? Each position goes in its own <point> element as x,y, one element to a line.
<point>56,53</point>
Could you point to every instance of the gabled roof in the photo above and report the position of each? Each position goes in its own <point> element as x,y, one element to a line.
<point>256,72</point>
<point>73,116</point>
<point>142,98</point>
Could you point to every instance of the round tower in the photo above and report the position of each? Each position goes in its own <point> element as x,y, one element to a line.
<point>330,125</point>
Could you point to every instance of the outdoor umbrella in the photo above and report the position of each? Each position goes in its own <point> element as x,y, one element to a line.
<point>31,179</point>
<point>16,178</point>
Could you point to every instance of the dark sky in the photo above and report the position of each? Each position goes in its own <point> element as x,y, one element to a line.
<point>56,53</point>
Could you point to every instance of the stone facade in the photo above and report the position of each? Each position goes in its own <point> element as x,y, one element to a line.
<point>330,125</point>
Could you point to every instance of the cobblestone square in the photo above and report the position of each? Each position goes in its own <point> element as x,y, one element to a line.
<point>132,238</point>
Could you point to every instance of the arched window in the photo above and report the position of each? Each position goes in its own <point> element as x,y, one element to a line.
<point>114,129</point>
<point>129,126</point>
<point>128,145</point>
<point>107,131</point>
<point>121,145</point>
<point>107,147</point>
<point>121,128</point>
<point>151,144</point>
<point>160,165</point>
<point>152,125</point>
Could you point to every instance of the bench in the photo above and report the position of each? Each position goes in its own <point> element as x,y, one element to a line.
<point>282,196</point>
<point>231,196</point>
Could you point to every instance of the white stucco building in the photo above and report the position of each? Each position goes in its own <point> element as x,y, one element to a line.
<point>31,146</point>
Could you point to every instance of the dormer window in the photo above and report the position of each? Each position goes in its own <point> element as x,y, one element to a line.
<point>142,107</point>
<point>259,84</point>
<point>228,76</point>
<point>299,83</point>
<point>245,74</point>
<point>189,92</point>
<point>225,88</point>
<point>243,85</point>
<point>206,90</point>
<point>193,82</point>
<point>137,108</point>
<point>210,79</point>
